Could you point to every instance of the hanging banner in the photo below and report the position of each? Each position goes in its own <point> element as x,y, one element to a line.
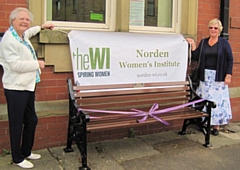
<point>120,57</point>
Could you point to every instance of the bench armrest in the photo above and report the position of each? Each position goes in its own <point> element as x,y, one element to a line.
<point>85,116</point>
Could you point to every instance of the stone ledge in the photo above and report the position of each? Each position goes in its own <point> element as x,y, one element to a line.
<point>234,92</point>
<point>55,36</point>
<point>43,109</point>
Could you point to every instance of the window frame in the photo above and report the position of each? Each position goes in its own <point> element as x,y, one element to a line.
<point>176,20</point>
<point>108,26</point>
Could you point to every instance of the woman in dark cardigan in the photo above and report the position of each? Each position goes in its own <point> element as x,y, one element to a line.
<point>215,72</point>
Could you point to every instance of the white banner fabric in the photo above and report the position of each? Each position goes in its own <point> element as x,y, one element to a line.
<point>120,57</point>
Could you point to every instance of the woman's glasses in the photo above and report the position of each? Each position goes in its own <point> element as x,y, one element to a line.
<point>215,28</point>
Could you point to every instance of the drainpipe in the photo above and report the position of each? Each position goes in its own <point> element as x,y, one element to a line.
<point>224,17</point>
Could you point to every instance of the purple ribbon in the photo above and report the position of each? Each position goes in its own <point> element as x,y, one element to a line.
<point>152,112</point>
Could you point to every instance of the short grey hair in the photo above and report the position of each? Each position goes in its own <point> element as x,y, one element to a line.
<point>14,13</point>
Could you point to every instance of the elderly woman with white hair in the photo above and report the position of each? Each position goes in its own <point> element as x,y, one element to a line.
<point>215,72</point>
<point>21,74</point>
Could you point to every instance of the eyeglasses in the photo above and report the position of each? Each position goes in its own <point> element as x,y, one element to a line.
<point>215,28</point>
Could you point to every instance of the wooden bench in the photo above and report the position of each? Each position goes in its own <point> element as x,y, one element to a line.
<point>124,97</point>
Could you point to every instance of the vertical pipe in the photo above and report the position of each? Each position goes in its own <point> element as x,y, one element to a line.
<point>224,17</point>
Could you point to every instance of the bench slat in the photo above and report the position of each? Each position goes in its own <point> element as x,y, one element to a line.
<point>129,91</point>
<point>133,104</point>
<point>132,85</point>
<point>117,117</point>
<point>131,121</point>
<point>131,97</point>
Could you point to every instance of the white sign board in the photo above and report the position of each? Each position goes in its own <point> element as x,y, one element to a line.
<point>120,57</point>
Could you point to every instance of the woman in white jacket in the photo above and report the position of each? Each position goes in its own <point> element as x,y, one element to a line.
<point>21,73</point>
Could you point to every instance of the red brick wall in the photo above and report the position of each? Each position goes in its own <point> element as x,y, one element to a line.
<point>234,37</point>
<point>4,136</point>
<point>51,132</point>
<point>6,6</point>
<point>207,10</point>
<point>139,130</point>
<point>53,86</point>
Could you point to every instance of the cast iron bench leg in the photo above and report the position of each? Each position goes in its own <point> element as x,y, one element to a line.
<point>69,140</point>
<point>201,124</point>
<point>82,144</point>
<point>208,128</point>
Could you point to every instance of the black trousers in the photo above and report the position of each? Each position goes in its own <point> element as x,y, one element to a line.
<point>22,122</point>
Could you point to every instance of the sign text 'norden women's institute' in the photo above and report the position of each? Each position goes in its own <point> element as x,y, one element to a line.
<point>119,58</point>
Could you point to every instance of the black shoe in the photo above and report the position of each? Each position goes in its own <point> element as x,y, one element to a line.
<point>215,132</point>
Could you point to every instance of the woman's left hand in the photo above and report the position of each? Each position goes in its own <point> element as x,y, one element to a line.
<point>41,64</point>
<point>228,79</point>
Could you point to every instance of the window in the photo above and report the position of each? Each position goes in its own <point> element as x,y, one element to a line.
<point>151,8</point>
<point>79,13</point>
<point>153,15</point>
<point>144,15</point>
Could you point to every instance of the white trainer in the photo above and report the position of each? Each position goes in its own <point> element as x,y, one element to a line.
<point>34,156</point>
<point>25,164</point>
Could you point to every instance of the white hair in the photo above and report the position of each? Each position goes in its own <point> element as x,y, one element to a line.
<point>14,13</point>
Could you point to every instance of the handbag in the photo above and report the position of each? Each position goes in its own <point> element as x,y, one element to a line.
<point>195,78</point>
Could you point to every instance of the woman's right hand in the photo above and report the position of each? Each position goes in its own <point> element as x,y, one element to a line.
<point>192,43</point>
<point>47,26</point>
<point>190,40</point>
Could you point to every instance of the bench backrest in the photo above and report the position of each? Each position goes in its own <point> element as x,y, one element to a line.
<point>127,96</point>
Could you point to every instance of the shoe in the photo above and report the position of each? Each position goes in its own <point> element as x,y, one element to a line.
<point>25,164</point>
<point>215,132</point>
<point>34,156</point>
